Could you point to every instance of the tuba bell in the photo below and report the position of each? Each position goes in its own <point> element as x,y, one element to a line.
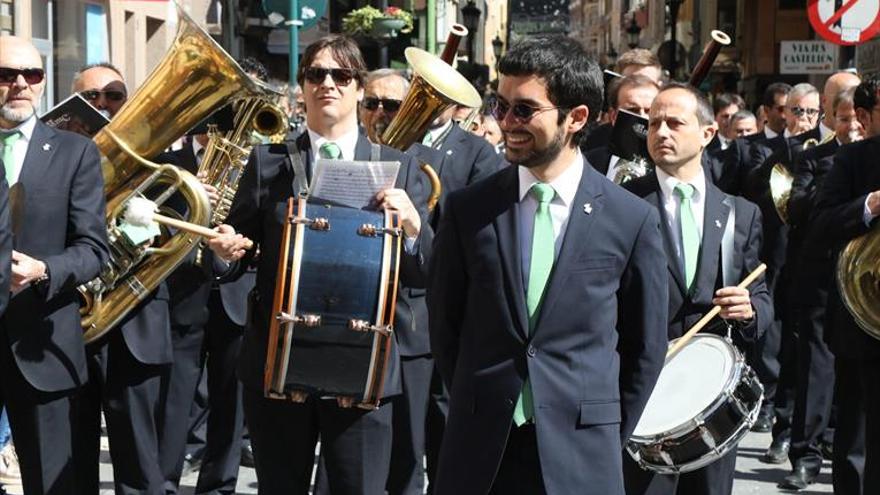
<point>858,280</point>
<point>194,79</point>
<point>781,180</point>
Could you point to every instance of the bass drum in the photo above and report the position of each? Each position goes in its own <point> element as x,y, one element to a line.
<point>704,403</point>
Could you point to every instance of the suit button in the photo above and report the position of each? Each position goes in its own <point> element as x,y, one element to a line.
<point>531,351</point>
<point>509,402</point>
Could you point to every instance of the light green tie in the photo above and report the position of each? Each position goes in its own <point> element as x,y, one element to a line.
<point>8,139</point>
<point>428,140</point>
<point>330,150</point>
<point>540,266</point>
<point>690,235</point>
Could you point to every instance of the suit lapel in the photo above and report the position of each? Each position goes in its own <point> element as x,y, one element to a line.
<point>714,220</point>
<point>672,262</point>
<point>576,241</point>
<point>507,230</point>
<point>41,150</point>
<point>362,149</point>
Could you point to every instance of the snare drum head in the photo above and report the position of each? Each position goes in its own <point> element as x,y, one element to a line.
<point>689,383</point>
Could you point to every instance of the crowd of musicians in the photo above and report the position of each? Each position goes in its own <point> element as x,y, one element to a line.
<point>535,302</point>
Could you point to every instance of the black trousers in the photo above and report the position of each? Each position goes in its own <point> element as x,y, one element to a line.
<point>42,424</point>
<point>129,392</point>
<point>407,475</point>
<point>435,425</point>
<point>520,469</point>
<point>859,397</point>
<point>815,387</point>
<point>714,479</point>
<point>355,443</point>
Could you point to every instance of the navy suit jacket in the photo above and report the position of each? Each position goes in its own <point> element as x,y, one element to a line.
<point>65,228</point>
<point>686,308</point>
<point>595,352</point>
<point>839,215</point>
<point>259,211</point>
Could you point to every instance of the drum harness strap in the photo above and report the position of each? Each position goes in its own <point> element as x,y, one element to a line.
<point>728,273</point>
<point>300,185</point>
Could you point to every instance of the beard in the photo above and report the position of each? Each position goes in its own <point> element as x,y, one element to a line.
<point>538,157</point>
<point>15,116</point>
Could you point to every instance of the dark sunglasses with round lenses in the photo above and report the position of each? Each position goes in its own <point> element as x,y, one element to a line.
<point>317,75</point>
<point>521,112</point>
<point>93,94</point>
<point>389,105</point>
<point>9,75</point>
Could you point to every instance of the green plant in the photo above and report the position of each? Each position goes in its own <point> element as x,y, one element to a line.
<point>360,21</point>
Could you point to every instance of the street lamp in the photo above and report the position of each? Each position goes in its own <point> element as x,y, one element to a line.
<point>497,47</point>
<point>470,15</point>
<point>633,31</point>
<point>673,16</point>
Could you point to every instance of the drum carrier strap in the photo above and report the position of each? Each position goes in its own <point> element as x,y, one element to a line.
<point>728,272</point>
<point>300,182</point>
<point>375,152</point>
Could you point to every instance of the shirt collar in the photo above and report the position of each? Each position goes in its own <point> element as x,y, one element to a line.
<point>196,145</point>
<point>347,142</point>
<point>770,133</point>
<point>566,185</point>
<point>435,133</point>
<point>824,131</point>
<point>668,183</point>
<point>26,128</point>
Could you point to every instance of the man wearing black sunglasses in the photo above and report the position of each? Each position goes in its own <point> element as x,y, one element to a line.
<point>103,86</point>
<point>384,90</point>
<point>547,304</point>
<point>355,443</point>
<point>59,244</point>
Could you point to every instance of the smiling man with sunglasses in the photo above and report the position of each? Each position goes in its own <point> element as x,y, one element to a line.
<point>60,243</point>
<point>355,442</point>
<point>547,304</point>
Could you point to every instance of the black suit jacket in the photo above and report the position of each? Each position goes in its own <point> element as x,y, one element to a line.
<point>685,308</point>
<point>5,243</point>
<point>593,356</point>
<point>600,158</point>
<point>839,215</point>
<point>65,228</point>
<point>599,135</point>
<point>258,212</point>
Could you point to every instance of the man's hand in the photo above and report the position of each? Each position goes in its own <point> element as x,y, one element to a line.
<point>25,270</point>
<point>735,303</point>
<point>228,246</point>
<point>397,199</point>
<point>874,203</point>
<point>213,192</point>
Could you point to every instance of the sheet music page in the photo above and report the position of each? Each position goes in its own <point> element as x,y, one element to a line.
<point>352,183</point>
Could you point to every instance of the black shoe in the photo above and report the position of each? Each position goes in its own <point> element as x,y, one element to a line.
<point>777,453</point>
<point>799,478</point>
<point>247,455</point>
<point>763,424</point>
<point>827,450</point>
<point>192,462</point>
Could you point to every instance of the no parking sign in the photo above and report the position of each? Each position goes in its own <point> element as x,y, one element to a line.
<point>845,22</point>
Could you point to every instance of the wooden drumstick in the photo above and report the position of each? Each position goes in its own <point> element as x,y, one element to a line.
<point>712,314</point>
<point>142,212</point>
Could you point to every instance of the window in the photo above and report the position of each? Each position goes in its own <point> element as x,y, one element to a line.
<point>97,44</point>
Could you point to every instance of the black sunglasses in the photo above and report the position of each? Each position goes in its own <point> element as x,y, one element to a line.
<point>93,94</point>
<point>800,111</point>
<point>317,75</point>
<point>522,113</point>
<point>389,105</point>
<point>31,76</point>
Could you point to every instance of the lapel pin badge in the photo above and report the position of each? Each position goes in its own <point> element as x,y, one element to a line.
<point>588,208</point>
<point>718,223</point>
<point>47,147</point>
<point>448,152</point>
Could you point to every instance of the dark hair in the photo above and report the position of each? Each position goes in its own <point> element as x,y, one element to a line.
<point>254,66</point>
<point>632,81</point>
<point>573,78</point>
<point>704,113</point>
<point>865,96</point>
<point>639,57</point>
<point>343,49</point>
<point>779,88</point>
<point>724,100</point>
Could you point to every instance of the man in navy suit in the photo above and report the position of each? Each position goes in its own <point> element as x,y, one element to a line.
<point>547,305</point>
<point>355,442</point>
<point>62,244</point>
<point>696,215</point>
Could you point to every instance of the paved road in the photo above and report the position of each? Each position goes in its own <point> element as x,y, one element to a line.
<point>752,477</point>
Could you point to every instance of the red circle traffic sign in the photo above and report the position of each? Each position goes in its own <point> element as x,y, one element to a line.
<point>846,22</point>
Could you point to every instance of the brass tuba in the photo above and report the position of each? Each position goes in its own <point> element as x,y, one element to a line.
<point>781,180</point>
<point>858,279</point>
<point>195,78</point>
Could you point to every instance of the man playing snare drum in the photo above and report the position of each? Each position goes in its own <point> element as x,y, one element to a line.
<point>702,273</point>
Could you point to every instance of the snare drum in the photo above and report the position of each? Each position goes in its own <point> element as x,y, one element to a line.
<point>334,304</point>
<point>706,400</point>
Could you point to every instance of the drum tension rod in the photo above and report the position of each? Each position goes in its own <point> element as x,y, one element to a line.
<point>314,224</point>
<point>365,326</point>
<point>309,321</point>
<point>370,230</point>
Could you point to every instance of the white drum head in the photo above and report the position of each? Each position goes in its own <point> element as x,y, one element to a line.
<point>689,383</point>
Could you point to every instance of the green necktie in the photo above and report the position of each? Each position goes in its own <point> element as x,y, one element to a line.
<point>690,235</point>
<point>330,150</point>
<point>8,139</point>
<point>540,266</point>
<point>428,140</point>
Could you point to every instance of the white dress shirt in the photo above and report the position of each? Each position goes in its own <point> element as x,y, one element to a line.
<point>612,167</point>
<point>347,143</point>
<point>770,133</point>
<point>20,147</point>
<point>197,147</point>
<point>438,132</point>
<point>566,186</point>
<point>725,143</point>
<point>824,131</point>
<point>671,203</point>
